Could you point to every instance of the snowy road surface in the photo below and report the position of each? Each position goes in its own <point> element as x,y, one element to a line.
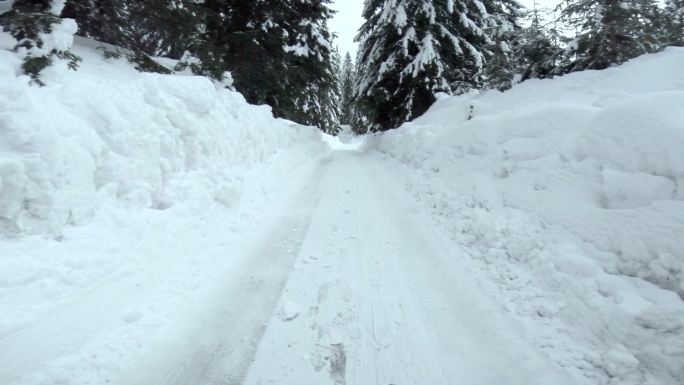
<point>340,280</point>
<point>380,300</point>
<point>158,230</point>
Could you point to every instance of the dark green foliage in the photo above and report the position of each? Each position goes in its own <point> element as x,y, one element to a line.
<point>412,50</point>
<point>32,66</point>
<point>96,19</point>
<point>347,90</point>
<point>144,29</point>
<point>499,71</point>
<point>312,64</point>
<point>278,53</point>
<point>28,22</point>
<point>611,31</point>
<point>252,54</point>
<point>675,28</point>
<point>538,53</point>
<point>503,31</point>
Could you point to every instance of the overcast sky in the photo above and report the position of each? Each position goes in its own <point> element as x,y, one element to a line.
<point>348,20</point>
<point>346,23</point>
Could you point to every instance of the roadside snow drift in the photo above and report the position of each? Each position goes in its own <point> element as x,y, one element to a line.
<point>107,132</point>
<point>571,191</point>
<point>124,200</point>
<point>157,229</point>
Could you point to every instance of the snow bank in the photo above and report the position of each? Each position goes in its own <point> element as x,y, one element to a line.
<point>107,132</point>
<point>126,199</point>
<point>571,186</point>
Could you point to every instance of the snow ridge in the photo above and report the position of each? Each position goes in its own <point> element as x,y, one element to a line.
<point>108,133</point>
<point>569,194</point>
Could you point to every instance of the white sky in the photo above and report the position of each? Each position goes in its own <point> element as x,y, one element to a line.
<point>346,23</point>
<point>348,20</point>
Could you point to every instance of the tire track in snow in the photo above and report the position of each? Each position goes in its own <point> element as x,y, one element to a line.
<point>226,338</point>
<point>208,343</point>
<point>397,301</point>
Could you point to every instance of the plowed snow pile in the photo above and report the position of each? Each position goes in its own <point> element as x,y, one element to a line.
<point>109,133</point>
<point>571,193</point>
<point>151,225</point>
<point>111,182</point>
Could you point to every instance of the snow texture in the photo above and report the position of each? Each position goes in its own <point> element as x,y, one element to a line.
<point>111,178</point>
<point>107,133</point>
<point>289,312</point>
<point>571,191</point>
<point>157,229</point>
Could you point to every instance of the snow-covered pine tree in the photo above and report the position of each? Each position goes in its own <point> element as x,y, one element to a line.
<point>610,31</point>
<point>279,52</point>
<point>338,60</point>
<point>336,63</point>
<point>159,27</point>
<point>503,30</point>
<point>499,70</point>
<point>311,76</point>
<point>538,51</point>
<point>99,20</point>
<point>347,90</point>
<point>336,69</point>
<point>207,44</point>
<point>675,12</point>
<point>412,49</point>
<point>145,29</point>
<point>250,36</point>
<point>40,34</point>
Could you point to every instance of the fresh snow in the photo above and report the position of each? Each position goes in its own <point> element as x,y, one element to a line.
<point>569,195</point>
<point>157,229</point>
<point>106,131</point>
<point>384,300</point>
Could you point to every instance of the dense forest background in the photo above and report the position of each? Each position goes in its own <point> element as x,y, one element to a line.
<point>281,52</point>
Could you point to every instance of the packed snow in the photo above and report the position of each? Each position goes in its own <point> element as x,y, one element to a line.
<point>108,133</point>
<point>157,229</point>
<point>122,195</point>
<point>570,194</point>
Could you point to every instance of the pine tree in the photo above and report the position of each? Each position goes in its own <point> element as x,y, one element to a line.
<point>195,49</point>
<point>210,45</point>
<point>504,31</point>
<point>279,52</point>
<point>144,29</point>
<point>499,71</point>
<point>240,34</point>
<point>336,63</point>
<point>611,31</point>
<point>99,20</point>
<point>412,49</point>
<point>32,24</point>
<point>311,74</point>
<point>675,12</point>
<point>335,93</point>
<point>538,51</point>
<point>347,90</point>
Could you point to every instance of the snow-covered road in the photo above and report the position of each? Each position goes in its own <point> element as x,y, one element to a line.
<point>158,230</point>
<point>376,298</point>
<point>340,280</point>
